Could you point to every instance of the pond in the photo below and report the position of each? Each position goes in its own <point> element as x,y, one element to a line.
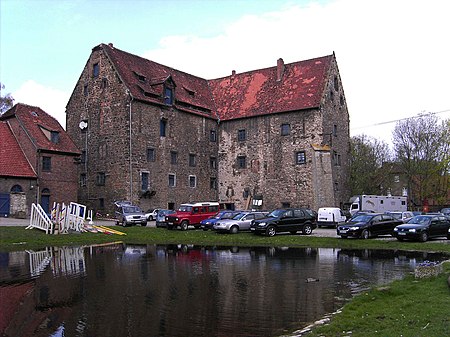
<point>179,290</point>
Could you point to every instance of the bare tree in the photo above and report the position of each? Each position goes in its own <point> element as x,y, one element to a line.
<point>6,101</point>
<point>366,167</point>
<point>421,146</point>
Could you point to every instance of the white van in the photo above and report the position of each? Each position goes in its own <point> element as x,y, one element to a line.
<point>330,217</point>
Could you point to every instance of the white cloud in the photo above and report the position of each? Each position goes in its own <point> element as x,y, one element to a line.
<point>52,101</point>
<point>391,54</point>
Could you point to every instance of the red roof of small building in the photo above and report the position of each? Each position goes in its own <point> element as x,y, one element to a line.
<point>13,162</point>
<point>36,121</point>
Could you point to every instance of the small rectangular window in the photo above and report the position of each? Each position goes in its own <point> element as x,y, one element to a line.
<point>163,127</point>
<point>213,183</point>
<point>192,181</point>
<point>101,177</point>
<point>213,136</point>
<point>150,154</point>
<point>168,96</point>
<point>144,181</point>
<point>192,160</point>
<point>83,179</point>
<point>172,180</point>
<point>96,70</point>
<point>173,157</point>
<point>285,129</point>
<point>300,157</point>
<point>213,163</point>
<point>335,130</point>
<point>242,136</point>
<point>242,162</point>
<point>85,90</point>
<point>54,137</point>
<point>46,164</point>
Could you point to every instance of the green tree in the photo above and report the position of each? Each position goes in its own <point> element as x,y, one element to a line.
<point>422,146</point>
<point>6,101</point>
<point>366,165</point>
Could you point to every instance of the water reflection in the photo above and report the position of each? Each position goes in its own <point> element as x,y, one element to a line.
<point>180,290</point>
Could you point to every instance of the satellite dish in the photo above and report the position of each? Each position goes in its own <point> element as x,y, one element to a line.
<point>83,125</point>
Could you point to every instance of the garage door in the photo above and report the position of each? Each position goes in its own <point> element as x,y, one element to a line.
<point>4,204</point>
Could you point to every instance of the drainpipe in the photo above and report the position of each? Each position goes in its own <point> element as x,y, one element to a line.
<point>131,161</point>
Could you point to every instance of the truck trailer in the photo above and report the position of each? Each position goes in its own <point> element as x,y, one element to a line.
<point>376,203</point>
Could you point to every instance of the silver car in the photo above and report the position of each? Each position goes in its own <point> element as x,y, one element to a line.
<point>240,222</point>
<point>127,215</point>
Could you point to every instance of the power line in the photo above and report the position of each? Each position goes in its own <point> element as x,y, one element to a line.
<point>401,119</point>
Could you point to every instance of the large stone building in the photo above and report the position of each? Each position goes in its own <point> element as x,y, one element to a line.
<point>158,136</point>
<point>38,160</point>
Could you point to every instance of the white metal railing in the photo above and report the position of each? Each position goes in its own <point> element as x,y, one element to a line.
<point>40,220</point>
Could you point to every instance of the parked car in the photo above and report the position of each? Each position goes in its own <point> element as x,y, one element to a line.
<point>404,216</point>
<point>423,227</point>
<point>191,214</point>
<point>330,217</point>
<point>445,211</point>
<point>208,223</point>
<point>239,222</point>
<point>368,225</point>
<point>286,220</point>
<point>161,217</point>
<point>151,214</point>
<point>127,215</point>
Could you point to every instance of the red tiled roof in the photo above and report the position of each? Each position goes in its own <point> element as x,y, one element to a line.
<point>145,80</point>
<point>258,92</point>
<point>252,93</point>
<point>13,162</point>
<point>35,120</point>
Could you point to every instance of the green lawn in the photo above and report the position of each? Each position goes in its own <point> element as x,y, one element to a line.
<point>408,307</point>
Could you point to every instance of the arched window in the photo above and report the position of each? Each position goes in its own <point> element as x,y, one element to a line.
<point>16,188</point>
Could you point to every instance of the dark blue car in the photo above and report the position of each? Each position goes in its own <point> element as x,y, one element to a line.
<point>208,223</point>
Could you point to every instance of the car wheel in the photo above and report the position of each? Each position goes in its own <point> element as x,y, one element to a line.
<point>234,229</point>
<point>307,229</point>
<point>144,224</point>
<point>271,231</point>
<point>400,239</point>
<point>150,218</point>
<point>423,236</point>
<point>184,225</point>
<point>343,237</point>
<point>124,223</point>
<point>365,234</point>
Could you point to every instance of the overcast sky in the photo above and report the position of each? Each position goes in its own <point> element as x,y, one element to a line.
<point>393,55</point>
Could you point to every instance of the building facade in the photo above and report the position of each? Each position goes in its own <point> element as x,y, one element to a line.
<point>50,158</point>
<point>159,137</point>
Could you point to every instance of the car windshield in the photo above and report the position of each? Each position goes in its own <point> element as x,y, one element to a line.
<point>132,209</point>
<point>276,213</point>
<point>420,220</point>
<point>238,216</point>
<point>184,208</point>
<point>396,215</point>
<point>362,218</point>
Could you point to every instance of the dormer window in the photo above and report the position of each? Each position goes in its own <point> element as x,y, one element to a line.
<point>189,91</point>
<point>168,96</point>
<point>54,137</point>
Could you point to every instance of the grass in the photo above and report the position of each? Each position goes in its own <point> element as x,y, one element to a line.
<point>18,238</point>
<point>408,307</point>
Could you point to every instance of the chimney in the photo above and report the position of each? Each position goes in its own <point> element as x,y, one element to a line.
<point>280,69</point>
<point>111,45</point>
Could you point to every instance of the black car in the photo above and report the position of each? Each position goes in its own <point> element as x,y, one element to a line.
<point>286,220</point>
<point>368,225</point>
<point>423,227</point>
